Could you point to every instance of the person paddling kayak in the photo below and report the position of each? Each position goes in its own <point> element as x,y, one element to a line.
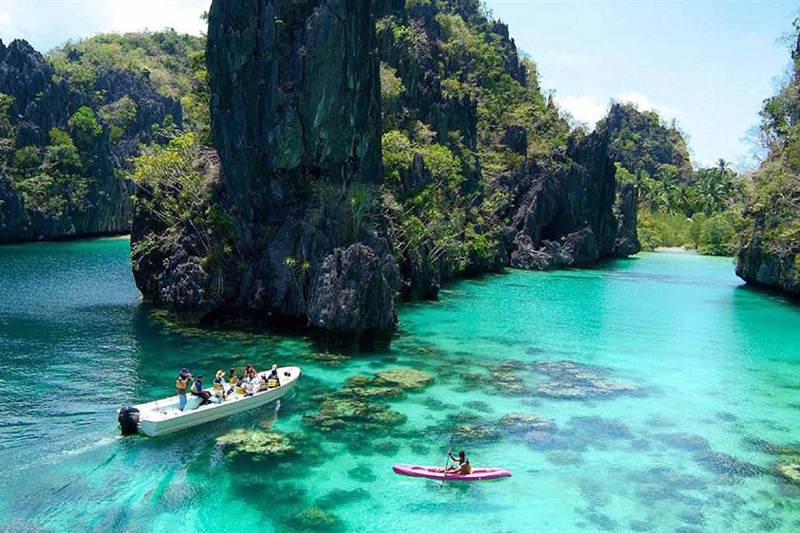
<point>464,468</point>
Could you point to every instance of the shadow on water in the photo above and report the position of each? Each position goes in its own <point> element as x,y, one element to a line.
<point>761,296</point>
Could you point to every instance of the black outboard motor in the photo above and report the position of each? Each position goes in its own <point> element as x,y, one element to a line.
<point>129,420</point>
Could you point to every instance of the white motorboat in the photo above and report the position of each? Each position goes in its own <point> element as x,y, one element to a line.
<point>164,416</point>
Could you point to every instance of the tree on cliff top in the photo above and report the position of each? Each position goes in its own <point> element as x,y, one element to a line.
<point>773,211</point>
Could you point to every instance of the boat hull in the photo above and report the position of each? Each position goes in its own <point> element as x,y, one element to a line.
<point>438,474</point>
<point>162,417</point>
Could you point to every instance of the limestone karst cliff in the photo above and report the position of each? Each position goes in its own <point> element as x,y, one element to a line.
<point>65,138</point>
<point>360,156</point>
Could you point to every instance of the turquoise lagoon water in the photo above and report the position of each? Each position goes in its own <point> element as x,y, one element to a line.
<point>715,367</point>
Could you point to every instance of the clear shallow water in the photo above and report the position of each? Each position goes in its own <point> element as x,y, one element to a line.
<point>716,369</point>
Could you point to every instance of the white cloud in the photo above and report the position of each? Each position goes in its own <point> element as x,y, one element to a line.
<point>583,108</point>
<point>644,103</point>
<point>589,109</point>
<point>73,20</point>
<point>183,15</point>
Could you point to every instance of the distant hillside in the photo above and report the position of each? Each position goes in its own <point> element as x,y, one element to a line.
<point>70,122</point>
<point>642,141</point>
<point>680,205</point>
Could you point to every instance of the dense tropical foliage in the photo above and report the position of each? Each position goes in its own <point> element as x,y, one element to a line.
<point>454,219</point>
<point>679,206</point>
<point>772,215</point>
<point>115,79</point>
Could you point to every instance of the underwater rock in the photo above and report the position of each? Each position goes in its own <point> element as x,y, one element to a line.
<point>545,440</point>
<point>684,441</point>
<point>434,404</point>
<point>477,405</point>
<point>338,497</point>
<point>339,413</point>
<point>595,428</point>
<point>419,449</point>
<point>783,450</point>
<point>314,519</point>
<point>260,445</point>
<point>602,521</point>
<point>326,358</point>
<point>669,477</point>
<point>506,381</point>
<point>723,463</point>
<point>284,493</point>
<point>369,388</point>
<point>514,364</point>
<point>524,422</point>
<point>387,448</point>
<point>789,471</point>
<point>362,473</point>
<point>406,378</point>
<point>466,426</point>
<point>564,458</point>
<point>476,433</point>
<point>571,380</point>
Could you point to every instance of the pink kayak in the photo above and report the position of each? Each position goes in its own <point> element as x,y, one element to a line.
<point>434,472</point>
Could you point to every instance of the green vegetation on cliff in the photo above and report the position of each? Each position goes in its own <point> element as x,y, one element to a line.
<point>460,110</point>
<point>770,239</point>
<point>71,120</point>
<point>679,205</point>
<point>166,58</point>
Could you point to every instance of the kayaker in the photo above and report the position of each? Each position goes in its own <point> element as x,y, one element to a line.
<point>181,384</point>
<point>197,390</point>
<point>464,468</point>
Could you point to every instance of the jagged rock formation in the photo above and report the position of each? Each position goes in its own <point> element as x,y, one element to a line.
<point>570,215</point>
<point>528,199</point>
<point>296,121</point>
<point>769,250</point>
<point>41,101</point>
<point>640,141</point>
<point>295,112</point>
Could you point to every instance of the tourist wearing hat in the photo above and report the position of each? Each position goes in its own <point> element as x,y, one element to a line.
<point>273,380</point>
<point>181,384</point>
<point>219,384</point>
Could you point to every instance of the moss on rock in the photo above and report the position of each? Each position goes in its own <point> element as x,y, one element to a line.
<point>260,445</point>
<point>406,378</point>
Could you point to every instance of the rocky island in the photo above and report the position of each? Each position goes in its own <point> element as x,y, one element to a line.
<point>69,123</point>
<point>349,166</point>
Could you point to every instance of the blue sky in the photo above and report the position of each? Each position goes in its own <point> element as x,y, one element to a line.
<point>708,64</point>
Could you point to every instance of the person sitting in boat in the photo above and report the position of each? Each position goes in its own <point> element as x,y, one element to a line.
<point>233,379</point>
<point>464,468</point>
<point>250,383</point>
<point>239,388</point>
<point>181,384</point>
<point>219,384</point>
<point>197,390</point>
<point>272,379</point>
